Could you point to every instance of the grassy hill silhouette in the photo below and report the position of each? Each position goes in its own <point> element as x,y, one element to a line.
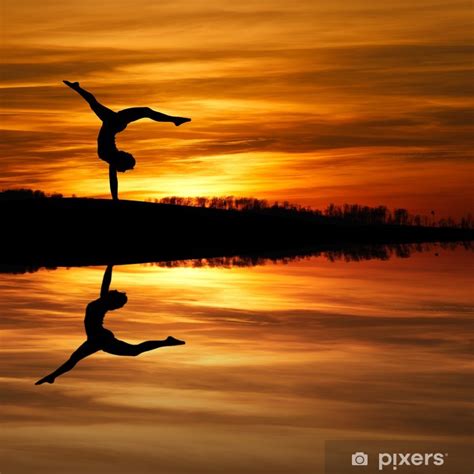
<point>57,231</point>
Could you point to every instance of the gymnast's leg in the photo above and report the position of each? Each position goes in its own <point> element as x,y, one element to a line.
<point>136,113</point>
<point>103,112</point>
<point>121,348</point>
<point>86,349</point>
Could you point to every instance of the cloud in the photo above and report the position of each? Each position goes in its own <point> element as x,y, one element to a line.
<point>287,87</point>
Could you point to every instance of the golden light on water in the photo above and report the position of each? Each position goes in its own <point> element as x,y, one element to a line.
<point>277,359</point>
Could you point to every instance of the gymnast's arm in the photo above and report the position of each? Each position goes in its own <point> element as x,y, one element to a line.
<point>113,182</point>
<point>106,281</point>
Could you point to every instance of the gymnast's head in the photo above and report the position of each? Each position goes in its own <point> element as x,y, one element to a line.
<point>124,161</point>
<point>115,299</point>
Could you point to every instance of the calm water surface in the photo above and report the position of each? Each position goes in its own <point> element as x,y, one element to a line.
<point>278,359</point>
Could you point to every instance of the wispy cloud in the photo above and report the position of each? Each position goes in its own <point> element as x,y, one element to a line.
<point>259,79</point>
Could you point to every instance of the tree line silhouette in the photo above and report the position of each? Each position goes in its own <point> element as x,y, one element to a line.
<point>348,213</point>
<point>355,253</point>
<point>24,193</point>
<point>352,213</point>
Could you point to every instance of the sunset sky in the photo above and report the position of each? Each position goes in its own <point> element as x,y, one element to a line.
<point>311,101</point>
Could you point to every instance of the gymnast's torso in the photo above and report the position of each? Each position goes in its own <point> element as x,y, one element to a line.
<point>106,146</point>
<point>94,321</point>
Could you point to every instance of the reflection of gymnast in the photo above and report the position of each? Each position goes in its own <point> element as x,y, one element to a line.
<point>101,339</point>
<point>116,122</point>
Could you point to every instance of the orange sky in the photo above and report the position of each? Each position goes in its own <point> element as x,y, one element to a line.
<point>311,101</point>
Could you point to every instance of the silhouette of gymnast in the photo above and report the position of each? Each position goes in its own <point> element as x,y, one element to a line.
<point>116,122</point>
<point>101,339</point>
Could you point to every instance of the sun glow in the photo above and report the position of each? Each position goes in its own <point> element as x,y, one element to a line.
<point>266,105</point>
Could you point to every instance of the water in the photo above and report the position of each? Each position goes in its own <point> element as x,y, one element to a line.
<point>278,359</point>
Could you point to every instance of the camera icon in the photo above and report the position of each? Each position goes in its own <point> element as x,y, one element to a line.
<point>360,459</point>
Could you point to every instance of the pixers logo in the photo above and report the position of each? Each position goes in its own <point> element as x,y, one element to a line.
<point>396,460</point>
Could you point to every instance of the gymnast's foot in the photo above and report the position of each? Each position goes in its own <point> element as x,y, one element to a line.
<point>172,341</point>
<point>72,85</point>
<point>48,379</point>
<point>180,120</point>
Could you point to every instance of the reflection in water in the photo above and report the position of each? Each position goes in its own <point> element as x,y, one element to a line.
<point>345,252</point>
<point>354,253</point>
<point>278,359</point>
<point>101,339</point>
